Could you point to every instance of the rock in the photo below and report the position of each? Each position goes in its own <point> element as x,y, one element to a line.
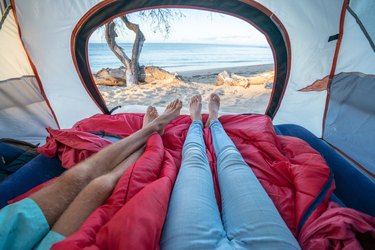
<point>268,85</point>
<point>110,77</point>
<point>151,74</point>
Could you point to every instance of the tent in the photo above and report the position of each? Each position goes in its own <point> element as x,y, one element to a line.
<point>324,56</point>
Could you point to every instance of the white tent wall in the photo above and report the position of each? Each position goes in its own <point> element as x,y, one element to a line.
<point>356,54</point>
<point>24,114</point>
<point>46,28</point>
<point>309,25</point>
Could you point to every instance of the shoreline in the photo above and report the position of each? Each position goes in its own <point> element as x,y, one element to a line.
<point>234,99</point>
<point>211,74</point>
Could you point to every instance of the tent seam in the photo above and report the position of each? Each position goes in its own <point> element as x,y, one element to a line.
<point>360,24</point>
<point>6,12</point>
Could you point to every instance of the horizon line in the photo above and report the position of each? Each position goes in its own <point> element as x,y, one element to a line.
<point>240,44</point>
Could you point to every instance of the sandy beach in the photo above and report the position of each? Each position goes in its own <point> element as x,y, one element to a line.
<point>234,99</point>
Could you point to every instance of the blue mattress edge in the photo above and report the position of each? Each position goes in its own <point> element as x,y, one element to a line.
<point>353,188</point>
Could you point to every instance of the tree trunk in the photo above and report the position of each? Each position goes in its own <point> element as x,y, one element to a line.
<point>133,76</point>
<point>131,65</point>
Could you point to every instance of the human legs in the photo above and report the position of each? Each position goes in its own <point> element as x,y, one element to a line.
<point>55,198</point>
<point>193,219</point>
<point>250,218</point>
<point>97,191</point>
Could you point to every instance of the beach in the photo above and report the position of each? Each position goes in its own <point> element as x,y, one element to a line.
<point>234,99</point>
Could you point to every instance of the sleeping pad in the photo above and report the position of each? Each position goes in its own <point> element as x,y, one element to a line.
<point>294,175</point>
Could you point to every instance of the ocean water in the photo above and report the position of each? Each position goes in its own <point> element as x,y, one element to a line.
<point>179,57</point>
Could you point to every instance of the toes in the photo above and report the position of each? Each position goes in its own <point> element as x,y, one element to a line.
<point>192,100</point>
<point>196,98</point>
<point>179,104</point>
<point>156,111</point>
<point>174,103</point>
<point>149,108</point>
<point>214,97</point>
<point>171,104</point>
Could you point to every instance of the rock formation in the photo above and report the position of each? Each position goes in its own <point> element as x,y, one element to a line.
<point>224,78</point>
<point>150,74</point>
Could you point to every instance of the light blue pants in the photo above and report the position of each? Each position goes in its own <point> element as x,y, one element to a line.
<point>249,218</point>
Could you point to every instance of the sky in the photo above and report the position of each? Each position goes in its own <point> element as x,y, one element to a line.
<point>196,26</point>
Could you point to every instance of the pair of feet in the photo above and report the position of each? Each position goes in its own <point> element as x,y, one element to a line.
<point>213,108</point>
<point>173,109</point>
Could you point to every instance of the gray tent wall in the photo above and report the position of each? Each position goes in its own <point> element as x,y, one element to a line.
<point>350,118</point>
<point>24,112</point>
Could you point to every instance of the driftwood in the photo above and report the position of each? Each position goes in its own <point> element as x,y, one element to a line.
<point>150,74</point>
<point>224,78</point>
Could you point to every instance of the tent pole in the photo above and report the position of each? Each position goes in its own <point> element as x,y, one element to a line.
<point>3,6</point>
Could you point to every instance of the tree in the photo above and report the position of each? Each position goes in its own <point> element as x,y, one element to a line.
<point>160,20</point>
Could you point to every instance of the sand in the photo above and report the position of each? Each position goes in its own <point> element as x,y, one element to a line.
<point>234,99</point>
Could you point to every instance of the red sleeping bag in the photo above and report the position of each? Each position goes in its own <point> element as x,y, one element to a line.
<point>294,175</point>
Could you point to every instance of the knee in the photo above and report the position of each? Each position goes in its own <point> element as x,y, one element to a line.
<point>102,184</point>
<point>230,153</point>
<point>194,152</point>
<point>75,177</point>
<point>193,148</point>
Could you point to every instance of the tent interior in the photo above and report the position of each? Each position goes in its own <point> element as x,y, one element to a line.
<point>323,91</point>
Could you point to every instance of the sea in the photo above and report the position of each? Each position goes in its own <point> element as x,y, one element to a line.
<point>180,57</point>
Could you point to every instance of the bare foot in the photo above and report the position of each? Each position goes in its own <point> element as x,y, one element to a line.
<point>196,108</point>
<point>171,112</point>
<point>150,115</point>
<point>213,108</point>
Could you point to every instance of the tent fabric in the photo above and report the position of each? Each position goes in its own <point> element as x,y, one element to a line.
<point>364,12</point>
<point>23,111</point>
<point>359,64</point>
<point>350,122</point>
<point>312,57</point>
<point>46,32</point>
<point>282,164</point>
<point>46,28</point>
<point>361,59</point>
<point>14,62</point>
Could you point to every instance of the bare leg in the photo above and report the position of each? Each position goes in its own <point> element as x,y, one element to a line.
<point>55,198</point>
<point>97,191</point>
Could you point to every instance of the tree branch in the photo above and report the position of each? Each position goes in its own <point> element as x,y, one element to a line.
<point>138,41</point>
<point>110,37</point>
